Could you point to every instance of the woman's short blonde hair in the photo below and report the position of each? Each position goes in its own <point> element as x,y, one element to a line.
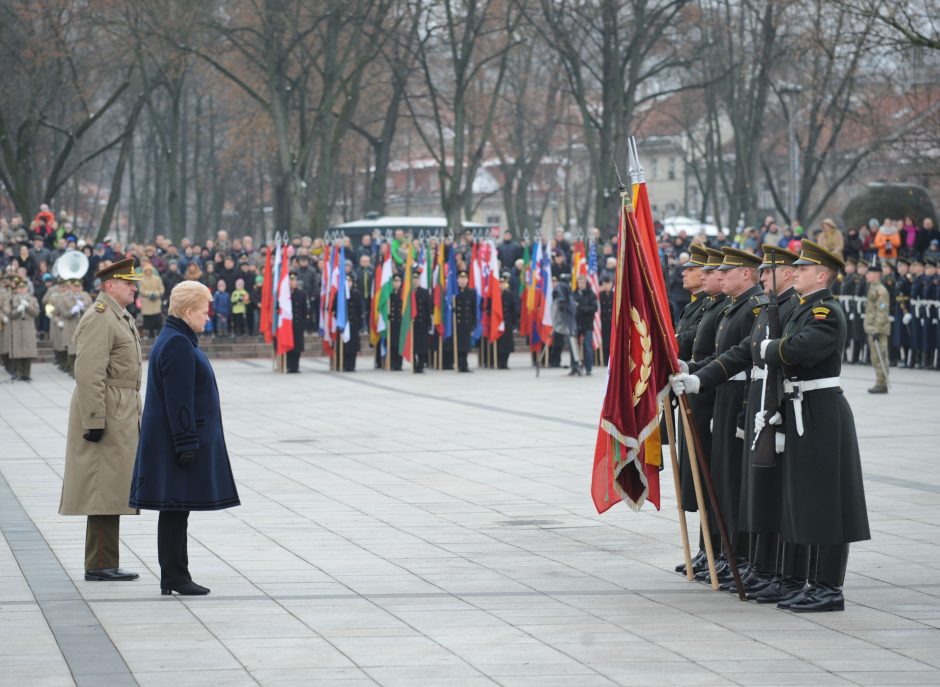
<point>188,295</point>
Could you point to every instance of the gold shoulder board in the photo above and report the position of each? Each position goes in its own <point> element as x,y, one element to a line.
<point>100,307</point>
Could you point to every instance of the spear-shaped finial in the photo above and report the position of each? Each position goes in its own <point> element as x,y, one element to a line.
<point>637,175</point>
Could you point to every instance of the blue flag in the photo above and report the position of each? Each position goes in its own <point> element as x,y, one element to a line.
<point>451,294</point>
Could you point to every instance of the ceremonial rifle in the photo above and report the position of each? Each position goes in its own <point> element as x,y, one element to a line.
<point>764,447</point>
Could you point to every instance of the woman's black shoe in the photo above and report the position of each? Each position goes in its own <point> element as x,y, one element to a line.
<point>189,588</point>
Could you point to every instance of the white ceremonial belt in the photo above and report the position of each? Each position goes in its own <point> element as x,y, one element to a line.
<point>758,372</point>
<point>795,388</point>
<point>740,377</point>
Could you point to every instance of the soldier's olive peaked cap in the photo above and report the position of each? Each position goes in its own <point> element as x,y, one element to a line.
<point>737,258</point>
<point>814,254</point>
<point>122,269</point>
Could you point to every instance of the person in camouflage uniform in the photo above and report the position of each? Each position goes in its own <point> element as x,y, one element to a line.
<point>877,325</point>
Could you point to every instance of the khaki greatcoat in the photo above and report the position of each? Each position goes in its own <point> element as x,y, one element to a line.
<point>55,331</point>
<point>107,396</point>
<point>5,327</point>
<point>22,325</point>
<point>150,288</point>
<point>65,303</point>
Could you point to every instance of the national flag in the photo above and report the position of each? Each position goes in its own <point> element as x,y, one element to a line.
<point>598,337</point>
<point>267,300</point>
<point>374,333</point>
<point>384,294</point>
<point>476,283</point>
<point>523,286</point>
<point>285,321</point>
<point>545,309</point>
<point>497,324</point>
<point>440,286</point>
<point>407,309</point>
<point>275,286</point>
<point>641,358</point>
<point>450,296</point>
<point>341,295</point>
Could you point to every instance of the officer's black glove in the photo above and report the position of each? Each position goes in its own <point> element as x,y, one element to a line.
<point>93,435</point>
<point>185,458</point>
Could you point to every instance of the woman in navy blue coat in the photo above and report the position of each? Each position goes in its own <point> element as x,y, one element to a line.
<point>182,463</point>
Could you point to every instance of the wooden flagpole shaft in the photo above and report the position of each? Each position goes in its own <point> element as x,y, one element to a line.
<point>696,454</point>
<point>341,357</point>
<point>440,351</point>
<point>388,348</point>
<point>412,346</point>
<point>683,527</point>
<point>700,499</point>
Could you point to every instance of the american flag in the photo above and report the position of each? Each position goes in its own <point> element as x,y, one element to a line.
<point>595,287</point>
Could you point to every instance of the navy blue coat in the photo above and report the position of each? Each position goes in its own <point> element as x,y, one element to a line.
<point>181,413</point>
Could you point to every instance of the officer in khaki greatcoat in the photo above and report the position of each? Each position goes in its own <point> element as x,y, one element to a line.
<point>56,325</point>
<point>6,291</point>
<point>74,302</point>
<point>104,420</point>
<point>21,310</point>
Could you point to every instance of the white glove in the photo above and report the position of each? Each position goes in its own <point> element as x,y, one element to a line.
<point>891,318</point>
<point>60,324</point>
<point>759,421</point>
<point>852,316</point>
<point>780,440</point>
<point>907,318</point>
<point>776,419</point>
<point>685,384</point>
<point>763,348</point>
<point>77,308</point>
<point>738,433</point>
<point>683,367</point>
<point>5,319</point>
<point>21,308</point>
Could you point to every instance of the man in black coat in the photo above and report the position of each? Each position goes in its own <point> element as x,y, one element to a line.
<point>696,338</point>
<point>508,251</point>
<point>354,315</point>
<point>586,305</point>
<point>465,311</point>
<point>394,324</point>
<point>422,326</point>
<point>298,299</point>
<point>823,493</point>
<point>606,303</point>
<point>505,344</point>
<point>738,277</point>
<point>774,572</point>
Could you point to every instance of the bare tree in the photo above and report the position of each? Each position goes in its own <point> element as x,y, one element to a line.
<point>617,54</point>
<point>62,84</point>
<point>302,64</point>
<point>462,57</point>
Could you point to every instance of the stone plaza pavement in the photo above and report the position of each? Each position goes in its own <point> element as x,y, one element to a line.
<point>398,529</point>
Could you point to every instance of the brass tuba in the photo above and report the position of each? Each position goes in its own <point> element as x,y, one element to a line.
<point>71,265</point>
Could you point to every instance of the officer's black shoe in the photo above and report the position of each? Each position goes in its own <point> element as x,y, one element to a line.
<point>699,563</point>
<point>878,390</point>
<point>820,598</point>
<point>188,588</point>
<point>781,589</point>
<point>110,575</point>
<point>722,571</point>
<point>795,597</point>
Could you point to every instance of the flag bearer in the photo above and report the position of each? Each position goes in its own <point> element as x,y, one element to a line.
<point>738,278</point>
<point>702,405</point>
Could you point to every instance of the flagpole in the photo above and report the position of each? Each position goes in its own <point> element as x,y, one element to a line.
<point>696,455</point>
<point>413,346</point>
<point>388,346</point>
<point>683,526</point>
<point>341,356</point>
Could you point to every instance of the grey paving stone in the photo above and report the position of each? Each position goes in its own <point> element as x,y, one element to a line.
<point>435,529</point>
